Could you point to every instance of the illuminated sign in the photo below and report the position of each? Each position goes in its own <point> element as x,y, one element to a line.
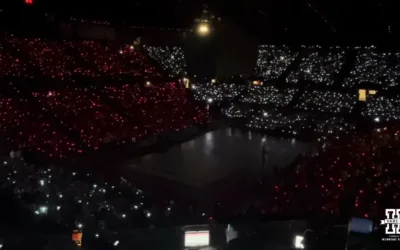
<point>197,238</point>
<point>362,95</point>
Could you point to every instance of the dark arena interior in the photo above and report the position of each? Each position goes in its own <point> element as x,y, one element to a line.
<point>199,124</point>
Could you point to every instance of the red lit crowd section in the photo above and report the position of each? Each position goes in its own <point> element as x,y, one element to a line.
<point>11,65</point>
<point>28,129</point>
<point>358,174</point>
<point>68,118</point>
<point>65,59</point>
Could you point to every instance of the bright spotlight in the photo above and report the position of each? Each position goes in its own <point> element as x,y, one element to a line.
<point>203,29</point>
<point>298,242</point>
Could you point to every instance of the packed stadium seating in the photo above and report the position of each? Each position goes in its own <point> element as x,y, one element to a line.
<point>79,110</point>
<point>64,59</point>
<point>70,119</point>
<point>272,61</point>
<point>171,59</point>
<point>374,67</point>
<point>268,95</point>
<point>319,66</point>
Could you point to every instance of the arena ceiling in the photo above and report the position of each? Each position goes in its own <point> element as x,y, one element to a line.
<point>296,20</point>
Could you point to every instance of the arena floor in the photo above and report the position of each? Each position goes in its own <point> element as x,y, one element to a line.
<point>219,155</point>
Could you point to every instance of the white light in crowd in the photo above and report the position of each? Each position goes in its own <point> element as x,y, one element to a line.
<point>1,246</point>
<point>96,235</point>
<point>209,100</point>
<point>43,209</point>
<point>58,208</point>
<point>169,209</point>
<point>121,52</point>
<point>80,225</point>
<point>123,215</point>
<point>131,47</point>
<point>60,196</point>
<point>116,243</point>
<point>265,114</point>
<point>148,83</point>
<point>377,119</point>
<point>148,214</point>
<point>73,173</point>
<point>298,242</point>
<point>5,163</point>
<point>193,86</point>
<point>95,186</point>
<point>203,29</point>
<point>136,207</point>
<point>42,182</point>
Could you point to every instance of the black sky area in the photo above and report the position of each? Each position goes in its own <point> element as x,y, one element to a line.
<point>293,21</point>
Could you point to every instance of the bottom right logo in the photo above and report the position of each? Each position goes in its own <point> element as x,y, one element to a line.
<point>392,222</point>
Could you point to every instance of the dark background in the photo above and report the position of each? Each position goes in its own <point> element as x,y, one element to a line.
<point>238,25</point>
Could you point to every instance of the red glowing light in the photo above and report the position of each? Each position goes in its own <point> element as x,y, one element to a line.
<point>29,1</point>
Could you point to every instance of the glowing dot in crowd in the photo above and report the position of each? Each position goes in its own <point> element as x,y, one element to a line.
<point>43,209</point>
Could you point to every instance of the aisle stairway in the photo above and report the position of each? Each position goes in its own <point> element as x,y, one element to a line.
<point>346,68</point>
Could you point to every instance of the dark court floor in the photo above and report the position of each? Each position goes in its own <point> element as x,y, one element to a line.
<point>219,155</point>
